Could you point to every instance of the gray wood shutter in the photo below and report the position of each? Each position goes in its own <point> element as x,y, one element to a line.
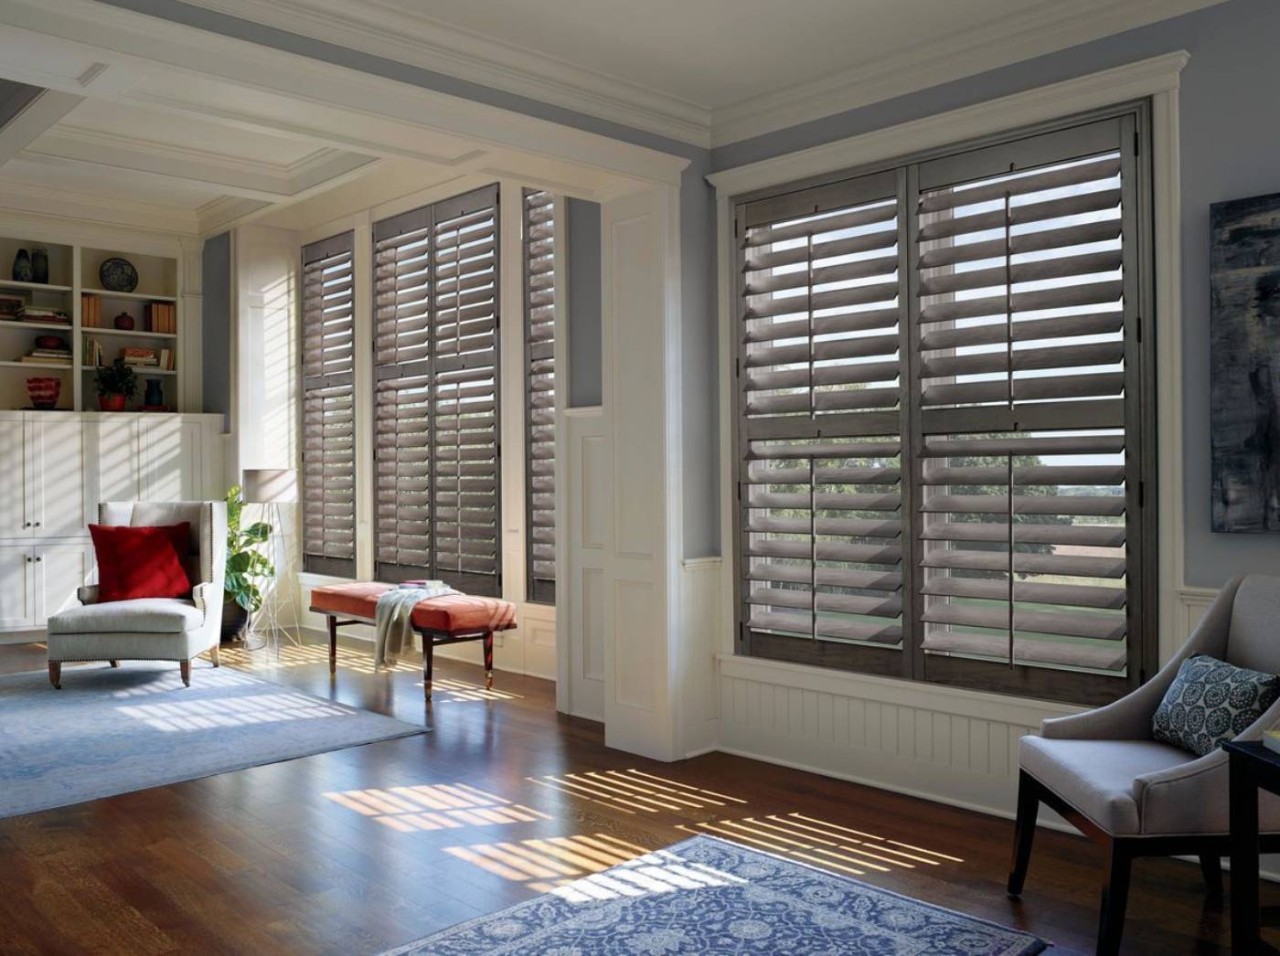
<point>540,395</point>
<point>946,426</point>
<point>436,448</point>
<point>1029,474</point>
<point>820,491</point>
<point>328,408</point>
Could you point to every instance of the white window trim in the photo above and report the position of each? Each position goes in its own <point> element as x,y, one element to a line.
<point>1157,78</point>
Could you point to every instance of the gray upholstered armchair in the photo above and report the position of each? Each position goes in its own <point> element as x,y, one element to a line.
<point>162,629</point>
<point>1104,773</point>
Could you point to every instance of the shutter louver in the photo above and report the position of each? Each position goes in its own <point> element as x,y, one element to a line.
<point>328,408</point>
<point>1025,469</point>
<point>820,518</point>
<point>540,392</point>
<point>436,395</point>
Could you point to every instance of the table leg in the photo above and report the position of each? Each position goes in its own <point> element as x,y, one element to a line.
<point>488,660</point>
<point>1244,856</point>
<point>333,644</point>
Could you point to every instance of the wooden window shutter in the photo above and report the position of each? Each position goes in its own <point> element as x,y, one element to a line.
<point>540,394</point>
<point>328,408</point>
<point>436,465</point>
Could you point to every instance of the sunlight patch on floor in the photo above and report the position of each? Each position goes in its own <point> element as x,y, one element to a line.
<point>544,864</point>
<point>823,843</point>
<point>181,715</point>
<point>634,791</point>
<point>167,683</point>
<point>460,691</point>
<point>301,655</point>
<point>434,807</point>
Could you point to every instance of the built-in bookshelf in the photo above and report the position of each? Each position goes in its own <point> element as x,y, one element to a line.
<point>93,326</point>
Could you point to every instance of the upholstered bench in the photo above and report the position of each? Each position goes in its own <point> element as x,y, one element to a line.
<point>449,619</point>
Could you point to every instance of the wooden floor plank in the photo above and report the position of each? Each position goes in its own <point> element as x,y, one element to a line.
<point>362,849</point>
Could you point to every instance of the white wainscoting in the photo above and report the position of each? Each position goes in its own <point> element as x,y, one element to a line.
<point>945,744</point>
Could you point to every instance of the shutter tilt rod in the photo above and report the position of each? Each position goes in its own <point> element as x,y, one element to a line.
<point>1008,313</point>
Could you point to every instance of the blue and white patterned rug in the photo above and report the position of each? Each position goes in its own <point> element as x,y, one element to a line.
<point>707,896</point>
<point>111,731</point>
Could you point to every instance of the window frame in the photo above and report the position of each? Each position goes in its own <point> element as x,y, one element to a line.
<point>1066,685</point>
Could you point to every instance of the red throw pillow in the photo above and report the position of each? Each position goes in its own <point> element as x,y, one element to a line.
<point>141,562</point>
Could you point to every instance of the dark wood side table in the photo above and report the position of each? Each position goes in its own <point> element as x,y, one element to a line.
<point>1253,767</point>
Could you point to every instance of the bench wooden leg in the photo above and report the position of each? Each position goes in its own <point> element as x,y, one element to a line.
<point>333,644</point>
<point>488,660</point>
<point>427,665</point>
<point>55,674</point>
<point>184,668</point>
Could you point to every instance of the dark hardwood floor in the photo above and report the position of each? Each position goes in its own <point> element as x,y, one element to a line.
<point>358,850</point>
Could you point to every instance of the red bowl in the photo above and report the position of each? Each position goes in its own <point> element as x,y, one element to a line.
<point>50,342</point>
<point>43,392</point>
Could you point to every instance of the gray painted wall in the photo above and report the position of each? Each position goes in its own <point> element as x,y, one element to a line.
<point>585,303</point>
<point>701,465</point>
<point>216,326</point>
<point>1230,149</point>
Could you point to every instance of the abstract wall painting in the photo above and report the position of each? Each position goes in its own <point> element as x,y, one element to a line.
<point>1244,333</point>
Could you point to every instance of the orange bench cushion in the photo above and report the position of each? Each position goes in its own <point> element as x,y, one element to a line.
<point>449,613</point>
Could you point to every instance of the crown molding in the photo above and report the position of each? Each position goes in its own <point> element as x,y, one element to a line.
<point>411,38</point>
<point>1159,74</point>
<point>78,208</point>
<point>390,31</point>
<point>1035,32</point>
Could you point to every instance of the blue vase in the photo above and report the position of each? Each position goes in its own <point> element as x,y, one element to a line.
<point>22,266</point>
<point>155,394</point>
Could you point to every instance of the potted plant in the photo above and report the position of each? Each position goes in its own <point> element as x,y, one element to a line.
<point>116,385</point>
<point>246,568</point>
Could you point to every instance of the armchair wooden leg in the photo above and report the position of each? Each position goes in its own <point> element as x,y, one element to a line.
<point>55,674</point>
<point>184,667</point>
<point>114,663</point>
<point>1115,897</point>
<point>213,656</point>
<point>1024,831</point>
<point>1211,870</point>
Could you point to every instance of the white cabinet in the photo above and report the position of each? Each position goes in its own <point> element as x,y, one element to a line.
<point>59,570</point>
<point>17,587</point>
<point>56,466</point>
<point>13,461</point>
<point>59,504</point>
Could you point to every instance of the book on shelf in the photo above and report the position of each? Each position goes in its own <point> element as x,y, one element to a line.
<point>45,360</point>
<point>93,354</point>
<point>90,310</point>
<point>141,357</point>
<point>51,353</point>
<point>34,313</point>
<point>11,306</point>
<point>166,359</point>
<point>162,317</point>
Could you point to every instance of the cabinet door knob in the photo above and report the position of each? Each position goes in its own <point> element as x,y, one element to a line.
<point>39,557</point>
<point>37,524</point>
<point>28,559</point>
<point>26,524</point>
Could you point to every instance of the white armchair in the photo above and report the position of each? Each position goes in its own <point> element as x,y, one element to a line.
<point>163,629</point>
<point>1103,772</point>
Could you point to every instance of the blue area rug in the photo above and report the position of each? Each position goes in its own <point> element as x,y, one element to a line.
<point>708,896</point>
<point>111,731</point>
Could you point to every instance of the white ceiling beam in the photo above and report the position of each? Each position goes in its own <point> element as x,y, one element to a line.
<point>208,172</point>
<point>34,121</point>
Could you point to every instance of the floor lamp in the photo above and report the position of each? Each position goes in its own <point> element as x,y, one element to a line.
<point>270,488</point>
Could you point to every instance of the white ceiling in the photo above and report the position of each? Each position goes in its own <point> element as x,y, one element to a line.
<point>707,71</point>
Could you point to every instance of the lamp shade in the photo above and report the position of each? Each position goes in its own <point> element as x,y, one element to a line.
<point>267,486</point>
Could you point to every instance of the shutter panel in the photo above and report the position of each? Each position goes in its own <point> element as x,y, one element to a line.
<point>1026,468</point>
<point>540,394</point>
<point>820,519</point>
<point>436,394</point>
<point>328,408</point>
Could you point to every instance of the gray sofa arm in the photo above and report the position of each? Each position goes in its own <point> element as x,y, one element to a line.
<point>1129,718</point>
<point>88,594</point>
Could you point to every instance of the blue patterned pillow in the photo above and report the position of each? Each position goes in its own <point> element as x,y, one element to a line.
<point>1211,702</point>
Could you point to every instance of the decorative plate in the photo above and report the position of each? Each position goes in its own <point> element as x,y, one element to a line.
<point>118,275</point>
